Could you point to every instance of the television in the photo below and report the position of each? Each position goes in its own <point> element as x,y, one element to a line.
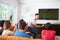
<point>49,14</point>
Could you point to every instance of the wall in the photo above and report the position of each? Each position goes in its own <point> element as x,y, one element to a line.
<point>30,7</point>
<point>10,2</point>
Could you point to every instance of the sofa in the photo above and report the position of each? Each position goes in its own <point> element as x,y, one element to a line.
<point>15,38</point>
<point>21,38</point>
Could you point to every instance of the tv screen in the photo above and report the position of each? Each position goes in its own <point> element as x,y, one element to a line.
<point>49,14</point>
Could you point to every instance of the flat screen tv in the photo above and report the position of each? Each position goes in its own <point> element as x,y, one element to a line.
<point>49,14</point>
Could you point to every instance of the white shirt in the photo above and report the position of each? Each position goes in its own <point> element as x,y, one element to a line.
<point>5,32</point>
<point>31,22</point>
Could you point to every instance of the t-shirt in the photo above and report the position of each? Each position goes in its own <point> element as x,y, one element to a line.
<point>48,35</point>
<point>21,34</point>
<point>31,22</point>
<point>5,32</point>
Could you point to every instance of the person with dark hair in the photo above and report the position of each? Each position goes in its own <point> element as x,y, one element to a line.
<point>22,30</point>
<point>6,31</point>
<point>48,33</point>
<point>48,26</point>
<point>32,24</point>
<point>36,14</point>
<point>10,18</point>
<point>1,26</point>
<point>21,21</point>
<point>14,25</point>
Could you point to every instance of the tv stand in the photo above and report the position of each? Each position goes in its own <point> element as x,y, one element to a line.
<point>56,28</point>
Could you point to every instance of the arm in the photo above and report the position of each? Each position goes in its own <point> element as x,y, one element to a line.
<point>35,25</point>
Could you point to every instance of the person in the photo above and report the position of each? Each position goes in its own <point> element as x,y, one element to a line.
<point>22,30</point>
<point>14,27</point>
<point>1,26</point>
<point>10,18</point>
<point>32,24</point>
<point>48,33</point>
<point>6,31</point>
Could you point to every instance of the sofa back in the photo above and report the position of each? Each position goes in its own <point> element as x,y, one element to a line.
<point>21,38</point>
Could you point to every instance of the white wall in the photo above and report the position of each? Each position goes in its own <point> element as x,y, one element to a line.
<point>10,2</point>
<point>30,7</point>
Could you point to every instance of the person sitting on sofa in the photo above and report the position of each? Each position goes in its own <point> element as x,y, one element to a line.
<point>48,33</point>
<point>21,32</point>
<point>6,27</point>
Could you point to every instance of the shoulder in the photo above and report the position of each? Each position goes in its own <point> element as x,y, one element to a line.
<point>53,31</point>
<point>7,32</point>
<point>49,31</point>
<point>28,36</point>
<point>46,31</point>
<point>16,32</point>
<point>10,33</point>
<point>25,34</point>
<point>3,32</point>
<point>43,31</point>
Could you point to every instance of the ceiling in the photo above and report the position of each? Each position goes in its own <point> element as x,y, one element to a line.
<point>36,1</point>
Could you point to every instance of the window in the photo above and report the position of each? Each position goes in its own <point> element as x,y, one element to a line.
<point>6,11</point>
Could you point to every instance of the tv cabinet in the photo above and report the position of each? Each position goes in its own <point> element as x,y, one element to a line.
<point>55,26</point>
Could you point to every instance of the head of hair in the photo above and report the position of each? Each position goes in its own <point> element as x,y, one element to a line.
<point>48,26</point>
<point>11,17</point>
<point>22,24</point>
<point>7,24</point>
<point>36,14</point>
<point>21,21</point>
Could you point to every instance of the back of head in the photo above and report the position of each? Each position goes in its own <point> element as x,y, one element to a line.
<point>48,26</point>
<point>7,24</point>
<point>21,21</point>
<point>50,34</point>
<point>22,24</point>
